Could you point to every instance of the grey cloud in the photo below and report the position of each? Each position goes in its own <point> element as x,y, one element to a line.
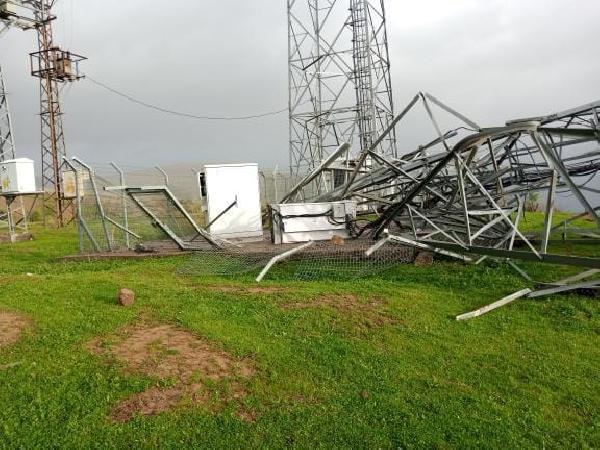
<point>493,60</point>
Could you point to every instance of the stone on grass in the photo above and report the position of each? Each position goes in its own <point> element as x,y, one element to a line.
<point>126,297</point>
<point>424,259</point>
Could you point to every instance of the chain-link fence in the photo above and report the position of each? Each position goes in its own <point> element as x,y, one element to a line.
<point>115,218</point>
<point>331,260</point>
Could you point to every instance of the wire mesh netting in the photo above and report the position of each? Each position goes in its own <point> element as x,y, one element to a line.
<point>333,260</point>
<point>121,213</point>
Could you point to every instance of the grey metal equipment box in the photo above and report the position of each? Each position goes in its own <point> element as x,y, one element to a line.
<point>303,222</point>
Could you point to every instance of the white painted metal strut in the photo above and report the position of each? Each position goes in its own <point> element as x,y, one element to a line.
<point>500,303</point>
<point>280,258</point>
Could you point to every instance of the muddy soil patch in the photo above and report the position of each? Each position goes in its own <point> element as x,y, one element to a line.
<point>371,312</point>
<point>11,328</point>
<point>227,289</point>
<point>189,371</point>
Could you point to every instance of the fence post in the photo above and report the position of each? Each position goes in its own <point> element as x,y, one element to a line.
<point>123,203</point>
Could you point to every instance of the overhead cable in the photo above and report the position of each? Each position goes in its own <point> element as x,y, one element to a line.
<point>179,113</point>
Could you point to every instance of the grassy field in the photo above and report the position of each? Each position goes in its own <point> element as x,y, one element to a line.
<point>378,362</point>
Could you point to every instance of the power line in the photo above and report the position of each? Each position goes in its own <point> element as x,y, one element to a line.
<point>178,113</point>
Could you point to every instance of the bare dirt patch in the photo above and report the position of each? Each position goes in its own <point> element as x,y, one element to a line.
<point>11,328</point>
<point>369,312</point>
<point>244,290</point>
<point>190,371</point>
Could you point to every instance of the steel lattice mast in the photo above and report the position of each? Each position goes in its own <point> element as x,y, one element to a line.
<point>52,66</point>
<point>7,145</point>
<point>339,79</point>
<point>15,216</point>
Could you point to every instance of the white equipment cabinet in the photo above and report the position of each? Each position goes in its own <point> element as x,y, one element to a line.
<point>303,222</point>
<point>7,8</point>
<point>231,200</point>
<point>17,176</point>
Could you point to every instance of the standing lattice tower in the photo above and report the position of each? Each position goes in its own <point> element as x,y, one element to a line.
<point>53,67</point>
<point>15,216</point>
<point>7,145</point>
<point>339,79</point>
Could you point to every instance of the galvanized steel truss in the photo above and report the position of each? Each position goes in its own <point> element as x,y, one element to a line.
<point>7,145</point>
<point>465,191</point>
<point>339,79</point>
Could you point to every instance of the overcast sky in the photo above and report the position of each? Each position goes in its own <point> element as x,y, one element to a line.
<point>491,59</point>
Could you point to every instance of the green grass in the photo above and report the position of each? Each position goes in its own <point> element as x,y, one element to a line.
<point>522,376</point>
<point>535,222</point>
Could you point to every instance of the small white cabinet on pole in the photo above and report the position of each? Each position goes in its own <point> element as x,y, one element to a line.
<point>17,176</point>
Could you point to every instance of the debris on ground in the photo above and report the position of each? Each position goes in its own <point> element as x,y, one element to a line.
<point>142,248</point>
